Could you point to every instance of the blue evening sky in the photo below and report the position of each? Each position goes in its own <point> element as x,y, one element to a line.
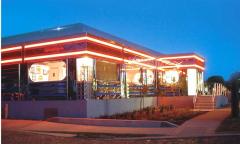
<point>210,28</point>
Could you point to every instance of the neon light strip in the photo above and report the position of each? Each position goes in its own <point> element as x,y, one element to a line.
<point>10,49</point>
<point>86,38</point>
<point>104,43</point>
<point>54,55</point>
<point>142,60</point>
<point>179,57</point>
<point>179,66</point>
<point>103,55</point>
<point>167,62</point>
<point>73,53</point>
<point>142,64</point>
<point>11,60</point>
<point>138,53</point>
<point>85,52</point>
<point>55,42</point>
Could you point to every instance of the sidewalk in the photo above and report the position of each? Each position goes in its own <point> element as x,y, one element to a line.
<point>45,126</point>
<point>203,125</point>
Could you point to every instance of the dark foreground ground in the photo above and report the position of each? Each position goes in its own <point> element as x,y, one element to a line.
<point>14,137</point>
<point>230,125</point>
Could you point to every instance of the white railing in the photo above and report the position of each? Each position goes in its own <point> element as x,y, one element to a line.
<point>194,101</point>
<point>213,100</point>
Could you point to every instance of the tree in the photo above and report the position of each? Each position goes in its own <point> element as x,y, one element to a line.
<point>214,79</point>
<point>235,87</point>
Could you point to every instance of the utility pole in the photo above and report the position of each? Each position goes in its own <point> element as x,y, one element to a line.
<point>235,98</point>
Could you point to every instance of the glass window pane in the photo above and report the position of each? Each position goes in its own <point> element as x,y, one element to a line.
<point>84,69</point>
<point>47,71</point>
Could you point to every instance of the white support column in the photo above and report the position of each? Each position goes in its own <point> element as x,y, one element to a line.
<point>192,81</point>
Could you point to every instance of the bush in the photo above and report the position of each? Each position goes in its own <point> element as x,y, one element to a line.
<point>160,113</point>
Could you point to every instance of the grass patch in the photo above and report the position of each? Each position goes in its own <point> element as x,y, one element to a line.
<point>100,134</point>
<point>110,135</point>
<point>160,113</point>
<point>230,125</point>
<point>16,137</point>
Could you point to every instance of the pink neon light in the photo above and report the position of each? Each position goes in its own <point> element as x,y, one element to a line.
<point>85,38</point>
<point>179,57</point>
<point>87,52</point>
<point>54,55</point>
<point>179,66</point>
<point>11,60</point>
<point>73,40</point>
<point>138,63</point>
<point>104,43</point>
<point>167,62</point>
<point>103,55</point>
<point>138,53</point>
<point>10,49</point>
<point>55,42</point>
<point>72,53</point>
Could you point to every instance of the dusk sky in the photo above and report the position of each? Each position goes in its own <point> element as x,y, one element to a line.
<point>210,28</point>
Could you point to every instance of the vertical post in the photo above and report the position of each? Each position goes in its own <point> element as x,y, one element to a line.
<point>122,81</point>
<point>94,79</point>
<point>67,78</point>
<point>192,81</point>
<point>19,78</point>
<point>235,99</point>
<point>216,88</point>
<point>156,83</point>
<point>76,84</point>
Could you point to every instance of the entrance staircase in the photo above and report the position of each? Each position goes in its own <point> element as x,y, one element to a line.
<point>205,103</point>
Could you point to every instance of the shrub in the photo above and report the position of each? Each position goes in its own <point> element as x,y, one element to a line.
<point>161,113</point>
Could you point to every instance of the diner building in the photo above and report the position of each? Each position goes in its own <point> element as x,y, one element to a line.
<point>77,65</point>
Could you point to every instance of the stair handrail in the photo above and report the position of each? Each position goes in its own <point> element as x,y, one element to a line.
<point>214,94</point>
<point>194,100</point>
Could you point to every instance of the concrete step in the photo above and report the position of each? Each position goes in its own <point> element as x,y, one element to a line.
<point>204,103</point>
<point>204,98</point>
<point>204,107</point>
<point>200,105</point>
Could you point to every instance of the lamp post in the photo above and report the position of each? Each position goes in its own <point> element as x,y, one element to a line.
<point>235,98</point>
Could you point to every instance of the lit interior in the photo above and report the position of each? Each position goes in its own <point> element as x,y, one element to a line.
<point>84,69</point>
<point>134,75</point>
<point>171,76</point>
<point>47,71</point>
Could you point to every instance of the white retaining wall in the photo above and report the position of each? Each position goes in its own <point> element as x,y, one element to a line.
<point>96,108</point>
<point>75,108</point>
<point>35,109</point>
<point>221,101</point>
